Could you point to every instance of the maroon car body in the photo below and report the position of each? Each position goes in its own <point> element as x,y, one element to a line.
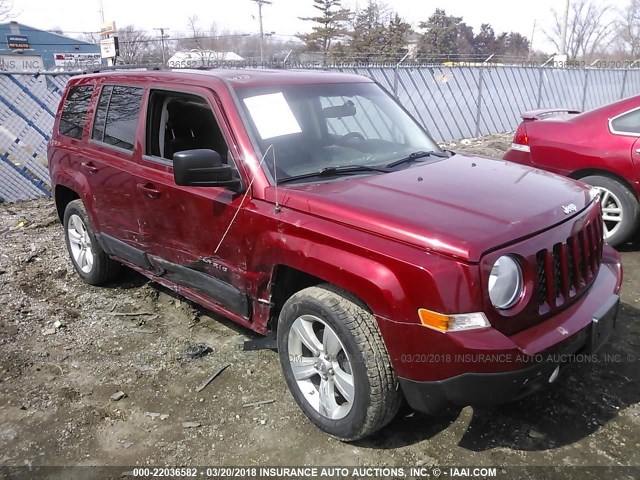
<point>600,147</point>
<point>424,236</point>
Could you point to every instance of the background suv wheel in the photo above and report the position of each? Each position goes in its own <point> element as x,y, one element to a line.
<point>620,210</point>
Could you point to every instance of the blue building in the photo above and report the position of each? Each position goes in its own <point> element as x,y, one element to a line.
<point>24,48</point>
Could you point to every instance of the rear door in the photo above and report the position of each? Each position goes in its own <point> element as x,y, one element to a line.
<point>194,235</point>
<point>114,151</point>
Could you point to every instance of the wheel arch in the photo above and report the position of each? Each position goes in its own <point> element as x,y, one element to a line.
<point>63,195</point>
<point>376,293</point>
<point>587,172</point>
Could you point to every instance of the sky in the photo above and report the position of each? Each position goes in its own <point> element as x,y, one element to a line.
<point>281,17</point>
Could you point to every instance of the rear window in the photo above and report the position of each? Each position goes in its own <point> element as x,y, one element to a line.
<point>117,116</point>
<point>74,111</point>
<point>627,123</point>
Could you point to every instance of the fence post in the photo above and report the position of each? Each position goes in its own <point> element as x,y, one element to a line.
<point>540,87</point>
<point>624,83</point>
<point>396,74</point>
<point>584,91</point>
<point>479,112</point>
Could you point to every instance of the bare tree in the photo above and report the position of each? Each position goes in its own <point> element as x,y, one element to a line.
<point>134,45</point>
<point>590,28</point>
<point>629,32</point>
<point>6,10</point>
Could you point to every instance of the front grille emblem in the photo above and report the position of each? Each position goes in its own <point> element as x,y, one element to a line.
<point>571,208</point>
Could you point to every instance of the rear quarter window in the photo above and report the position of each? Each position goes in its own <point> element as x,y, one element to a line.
<point>627,123</point>
<point>74,111</point>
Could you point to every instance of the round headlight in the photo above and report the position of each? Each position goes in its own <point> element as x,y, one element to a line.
<point>505,283</point>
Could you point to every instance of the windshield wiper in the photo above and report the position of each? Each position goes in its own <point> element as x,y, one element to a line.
<point>335,171</point>
<point>416,155</point>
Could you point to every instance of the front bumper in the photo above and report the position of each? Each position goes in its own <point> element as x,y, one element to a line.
<point>483,367</point>
<point>503,387</point>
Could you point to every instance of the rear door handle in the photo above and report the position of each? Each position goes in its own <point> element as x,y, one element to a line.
<point>637,150</point>
<point>89,167</point>
<point>149,190</point>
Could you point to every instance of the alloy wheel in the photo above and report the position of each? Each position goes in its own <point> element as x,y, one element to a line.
<point>612,213</point>
<point>321,367</point>
<point>80,244</point>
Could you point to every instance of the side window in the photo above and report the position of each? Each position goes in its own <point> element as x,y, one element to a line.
<point>181,121</point>
<point>627,123</point>
<point>117,116</point>
<point>74,111</point>
<point>101,113</point>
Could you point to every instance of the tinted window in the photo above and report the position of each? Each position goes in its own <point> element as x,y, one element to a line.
<point>101,113</point>
<point>629,122</point>
<point>74,111</point>
<point>117,116</point>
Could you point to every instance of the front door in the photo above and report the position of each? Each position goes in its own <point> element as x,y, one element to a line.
<point>193,235</point>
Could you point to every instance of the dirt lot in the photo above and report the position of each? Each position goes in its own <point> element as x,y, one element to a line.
<point>56,383</point>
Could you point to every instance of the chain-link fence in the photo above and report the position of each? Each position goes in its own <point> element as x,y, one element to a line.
<point>452,102</point>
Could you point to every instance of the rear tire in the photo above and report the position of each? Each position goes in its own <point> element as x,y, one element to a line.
<point>91,262</point>
<point>620,209</point>
<point>335,363</point>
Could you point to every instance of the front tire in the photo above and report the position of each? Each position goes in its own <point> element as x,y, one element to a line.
<point>91,262</point>
<point>620,209</point>
<point>335,363</point>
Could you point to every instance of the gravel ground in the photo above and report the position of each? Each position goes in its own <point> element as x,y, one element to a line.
<point>66,348</point>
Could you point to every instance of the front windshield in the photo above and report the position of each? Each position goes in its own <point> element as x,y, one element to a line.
<point>309,128</point>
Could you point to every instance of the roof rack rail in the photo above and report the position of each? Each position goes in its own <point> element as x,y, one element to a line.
<point>114,68</point>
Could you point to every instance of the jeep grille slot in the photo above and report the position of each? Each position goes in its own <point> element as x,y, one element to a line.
<point>568,268</point>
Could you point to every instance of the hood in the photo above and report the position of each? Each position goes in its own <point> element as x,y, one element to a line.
<point>461,206</point>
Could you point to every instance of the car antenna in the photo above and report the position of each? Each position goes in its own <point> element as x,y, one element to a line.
<point>244,197</point>
<point>275,177</point>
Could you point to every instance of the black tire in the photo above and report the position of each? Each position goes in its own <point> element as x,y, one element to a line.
<point>376,393</point>
<point>103,269</point>
<point>628,204</point>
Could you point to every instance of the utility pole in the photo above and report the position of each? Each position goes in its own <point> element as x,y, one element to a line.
<point>162,37</point>
<point>260,4</point>
<point>101,12</point>
<point>533,32</point>
<point>563,30</point>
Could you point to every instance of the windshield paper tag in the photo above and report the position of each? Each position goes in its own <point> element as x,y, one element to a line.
<point>272,115</point>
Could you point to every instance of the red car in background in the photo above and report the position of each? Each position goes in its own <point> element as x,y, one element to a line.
<point>600,147</point>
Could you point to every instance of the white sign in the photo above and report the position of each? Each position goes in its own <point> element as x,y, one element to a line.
<point>272,115</point>
<point>75,60</point>
<point>109,47</point>
<point>21,63</point>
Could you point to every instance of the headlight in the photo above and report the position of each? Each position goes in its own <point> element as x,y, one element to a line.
<point>505,283</point>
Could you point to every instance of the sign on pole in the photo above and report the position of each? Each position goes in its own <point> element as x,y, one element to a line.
<point>109,47</point>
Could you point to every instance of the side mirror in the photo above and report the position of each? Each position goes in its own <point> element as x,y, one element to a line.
<point>203,168</point>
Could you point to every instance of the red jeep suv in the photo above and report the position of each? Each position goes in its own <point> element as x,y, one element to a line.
<point>312,205</point>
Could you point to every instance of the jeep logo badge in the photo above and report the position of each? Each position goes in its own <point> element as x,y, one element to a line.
<point>571,208</point>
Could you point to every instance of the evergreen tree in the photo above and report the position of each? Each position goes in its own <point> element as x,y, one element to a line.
<point>378,34</point>
<point>443,36</point>
<point>330,25</point>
